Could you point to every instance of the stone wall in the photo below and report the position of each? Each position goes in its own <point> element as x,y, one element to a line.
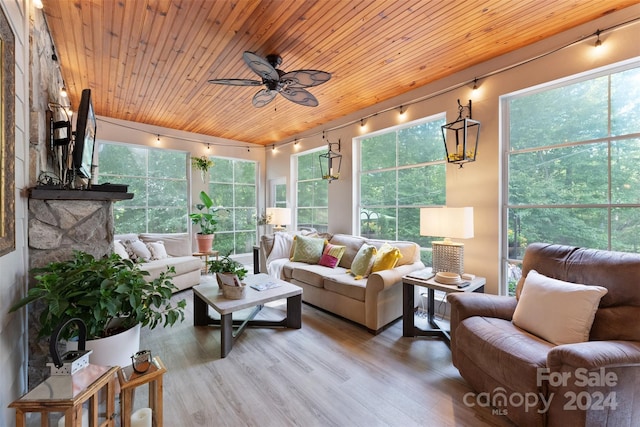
<point>56,229</point>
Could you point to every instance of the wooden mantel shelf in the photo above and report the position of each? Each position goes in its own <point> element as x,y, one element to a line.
<point>46,194</point>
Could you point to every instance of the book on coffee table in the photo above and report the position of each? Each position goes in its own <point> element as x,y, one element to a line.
<point>264,286</point>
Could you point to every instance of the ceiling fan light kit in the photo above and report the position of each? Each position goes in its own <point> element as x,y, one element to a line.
<point>290,85</point>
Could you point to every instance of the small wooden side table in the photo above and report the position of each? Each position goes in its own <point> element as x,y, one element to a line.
<point>67,394</point>
<point>206,256</point>
<point>129,380</point>
<point>409,329</point>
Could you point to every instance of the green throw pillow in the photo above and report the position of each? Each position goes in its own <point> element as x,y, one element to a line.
<point>307,249</point>
<point>363,261</point>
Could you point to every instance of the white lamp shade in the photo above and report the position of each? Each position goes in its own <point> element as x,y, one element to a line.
<point>279,216</point>
<point>447,222</point>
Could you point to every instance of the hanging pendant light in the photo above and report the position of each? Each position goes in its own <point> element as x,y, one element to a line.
<point>330,162</point>
<point>461,137</point>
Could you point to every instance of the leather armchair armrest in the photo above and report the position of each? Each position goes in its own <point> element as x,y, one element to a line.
<point>468,304</point>
<point>594,355</point>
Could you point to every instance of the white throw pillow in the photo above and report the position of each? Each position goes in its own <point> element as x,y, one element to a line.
<point>118,248</point>
<point>157,249</point>
<point>138,251</point>
<point>557,311</point>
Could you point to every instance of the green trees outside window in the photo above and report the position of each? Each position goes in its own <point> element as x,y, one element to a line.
<point>573,154</point>
<point>158,179</point>
<point>232,185</point>
<point>312,193</point>
<point>401,170</point>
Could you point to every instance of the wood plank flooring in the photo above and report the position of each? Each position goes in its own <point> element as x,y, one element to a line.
<point>329,373</point>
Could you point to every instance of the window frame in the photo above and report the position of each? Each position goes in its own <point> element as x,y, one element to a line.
<point>505,138</point>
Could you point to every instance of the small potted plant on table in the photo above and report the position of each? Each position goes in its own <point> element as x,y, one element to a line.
<point>229,274</point>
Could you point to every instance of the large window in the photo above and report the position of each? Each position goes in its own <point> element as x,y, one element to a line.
<point>401,170</point>
<point>158,179</point>
<point>312,194</point>
<point>573,150</point>
<point>232,185</point>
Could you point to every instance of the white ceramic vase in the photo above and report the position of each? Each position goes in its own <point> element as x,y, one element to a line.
<point>115,350</point>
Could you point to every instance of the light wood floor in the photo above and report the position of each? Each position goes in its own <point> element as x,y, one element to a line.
<point>329,373</point>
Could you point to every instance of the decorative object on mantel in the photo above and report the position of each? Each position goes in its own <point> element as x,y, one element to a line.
<point>202,164</point>
<point>444,222</point>
<point>330,162</point>
<point>461,137</point>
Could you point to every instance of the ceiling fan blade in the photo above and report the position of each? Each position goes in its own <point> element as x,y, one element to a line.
<point>263,97</point>
<point>260,66</point>
<point>305,78</point>
<point>235,82</point>
<point>299,96</point>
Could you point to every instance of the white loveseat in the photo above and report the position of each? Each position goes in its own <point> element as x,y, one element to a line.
<point>374,301</point>
<point>178,255</point>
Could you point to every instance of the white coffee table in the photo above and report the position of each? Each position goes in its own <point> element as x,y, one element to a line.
<point>209,295</point>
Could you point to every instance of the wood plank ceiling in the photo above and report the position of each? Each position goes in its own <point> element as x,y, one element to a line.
<point>149,61</point>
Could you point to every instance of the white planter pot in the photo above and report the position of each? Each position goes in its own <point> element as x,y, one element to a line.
<point>115,350</point>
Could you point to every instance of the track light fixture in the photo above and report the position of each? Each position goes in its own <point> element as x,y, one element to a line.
<point>475,84</point>
<point>598,41</point>
<point>402,110</point>
<point>63,92</point>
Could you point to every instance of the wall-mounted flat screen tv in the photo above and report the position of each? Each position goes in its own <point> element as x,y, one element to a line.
<point>85,136</point>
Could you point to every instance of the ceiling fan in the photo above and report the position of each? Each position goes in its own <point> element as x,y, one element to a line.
<point>290,85</point>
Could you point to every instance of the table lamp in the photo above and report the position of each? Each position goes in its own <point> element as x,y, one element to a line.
<point>279,217</point>
<point>449,223</point>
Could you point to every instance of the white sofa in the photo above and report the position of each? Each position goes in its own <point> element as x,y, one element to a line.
<point>374,301</point>
<point>179,256</point>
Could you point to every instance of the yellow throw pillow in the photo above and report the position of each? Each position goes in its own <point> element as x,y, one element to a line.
<point>386,258</point>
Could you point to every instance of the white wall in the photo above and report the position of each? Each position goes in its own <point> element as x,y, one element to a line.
<point>476,184</point>
<point>13,266</point>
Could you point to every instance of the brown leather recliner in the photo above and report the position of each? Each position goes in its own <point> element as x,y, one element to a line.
<point>536,383</point>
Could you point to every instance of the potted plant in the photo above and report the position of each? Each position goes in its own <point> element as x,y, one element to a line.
<point>207,221</point>
<point>202,164</point>
<point>110,295</point>
<point>232,286</point>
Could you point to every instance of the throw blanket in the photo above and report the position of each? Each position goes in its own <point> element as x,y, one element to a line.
<point>274,268</point>
<point>279,254</point>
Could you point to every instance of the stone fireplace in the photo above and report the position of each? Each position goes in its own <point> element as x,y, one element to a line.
<point>61,221</point>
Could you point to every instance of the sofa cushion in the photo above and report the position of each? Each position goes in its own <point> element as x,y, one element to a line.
<point>331,255</point>
<point>511,355</point>
<point>314,274</point>
<point>387,257</point>
<point>347,285</point>
<point>176,244</point>
<point>361,265</point>
<point>352,245</point>
<point>557,311</point>
<point>307,249</point>
<point>182,265</point>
